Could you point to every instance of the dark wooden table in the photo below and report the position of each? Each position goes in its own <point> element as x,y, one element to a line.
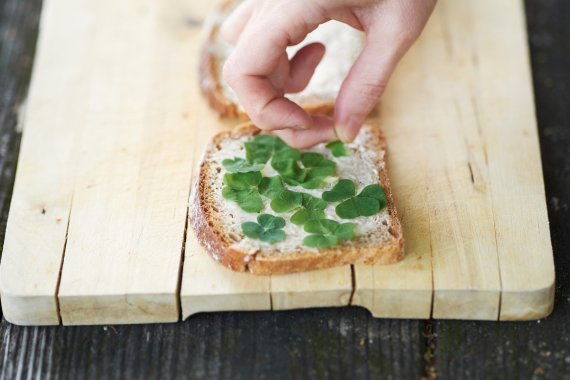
<point>329,343</point>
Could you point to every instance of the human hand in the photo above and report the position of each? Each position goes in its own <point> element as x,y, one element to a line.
<point>261,73</point>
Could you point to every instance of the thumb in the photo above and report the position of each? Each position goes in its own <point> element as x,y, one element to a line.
<point>367,80</point>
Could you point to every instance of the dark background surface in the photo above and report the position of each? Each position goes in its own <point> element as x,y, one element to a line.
<point>325,343</point>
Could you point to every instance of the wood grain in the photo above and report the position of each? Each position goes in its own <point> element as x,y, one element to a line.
<point>539,349</point>
<point>138,126</point>
<point>466,115</point>
<point>127,222</point>
<point>322,288</point>
<point>18,34</point>
<point>36,232</point>
<point>377,348</point>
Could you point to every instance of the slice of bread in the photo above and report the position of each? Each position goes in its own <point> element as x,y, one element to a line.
<point>343,45</point>
<point>217,221</point>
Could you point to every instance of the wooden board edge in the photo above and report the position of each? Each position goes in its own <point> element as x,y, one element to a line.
<point>118,309</point>
<point>305,300</point>
<point>29,310</point>
<point>194,304</point>
<point>528,304</point>
<point>474,304</point>
<point>395,303</point>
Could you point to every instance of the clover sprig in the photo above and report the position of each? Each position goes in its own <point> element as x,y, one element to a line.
<point>243,189</point>
<point>368,202</point>
<point>263,147</point>
<point>245,185</point>
<point>311,208</point>
<point>318,167</point>
<point>327,233</point>
<point>240,165</point>
<point>268,229</point>
<point>338,149</point>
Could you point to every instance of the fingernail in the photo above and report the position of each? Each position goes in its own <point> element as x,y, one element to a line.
<point>347,132</point>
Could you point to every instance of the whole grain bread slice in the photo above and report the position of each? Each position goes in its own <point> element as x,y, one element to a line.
<point>212,58</point>
<point>217,224</point>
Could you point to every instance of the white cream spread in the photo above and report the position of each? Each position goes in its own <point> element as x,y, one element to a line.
<point>361,167</point>
<point>343,45</point>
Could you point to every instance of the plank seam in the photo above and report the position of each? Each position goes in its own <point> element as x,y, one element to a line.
<point>475,106</point>
<point>181,264</point>
<point>353,284</point>
<point>60,275</point>
<point>271,293</point>
<point>432,272</point>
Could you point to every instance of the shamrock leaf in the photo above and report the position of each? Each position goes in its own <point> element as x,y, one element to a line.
<point>320,241</point>
<point>268,228</point>
<point>239,165</point>
<point>369,202</point>
<point>318,168</point>
<point>262,147</point>
<point>242,181</point>
<point>338,149</point>
<point>270,186</point>
<point>326,233</point>
<point>286,200</point>
<point>312,208</point>
<point>342,190</point>
<point>289,170</point>
<point>242,188</point>
<point>316,160</point>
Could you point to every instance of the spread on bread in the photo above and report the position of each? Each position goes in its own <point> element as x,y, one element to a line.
<point>262,207</point>
<point>245,185</point>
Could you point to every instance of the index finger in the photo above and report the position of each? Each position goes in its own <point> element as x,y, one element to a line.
<point>257,55</point>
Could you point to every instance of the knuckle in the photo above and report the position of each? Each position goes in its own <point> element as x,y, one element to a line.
<point>372,91</point>
<point>230,71</point>
<point>293,140</point>
<point>263,120</point>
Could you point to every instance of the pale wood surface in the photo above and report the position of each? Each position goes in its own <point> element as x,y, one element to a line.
<point>327,287</point>
<point>463,159</point>
<point>37,225</point>
<point>327,343</point>
<point>127,222</point>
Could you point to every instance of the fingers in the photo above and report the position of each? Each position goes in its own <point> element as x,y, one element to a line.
<point>250,69</point>
<point>322,131</point>
<point>236,22</point>
<point>303,66</point>
<point>362,88</point>
<point>389,36</point>
<point>266,107</point>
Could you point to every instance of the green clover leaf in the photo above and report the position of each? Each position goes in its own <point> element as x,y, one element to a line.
<point>320,241</point>
<point>289,170</point>
<point>262,147</point>
<point>344,189</point>
<point>338,149</point>
<point>312,208</point>
<point>269,228</point>
<point>318,168</point>
<point>326,233</point>
<point>242,188</point>
<point>286,200</point>
<point>370,201</point>
<point>270,222</point>
<point>239,165</point>
<point>271,186</point>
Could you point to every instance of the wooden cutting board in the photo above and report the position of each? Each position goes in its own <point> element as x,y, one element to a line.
<point>115,124</point>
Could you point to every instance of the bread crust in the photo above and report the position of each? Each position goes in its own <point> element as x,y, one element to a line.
<point>210,77</point>
<point>219,245</point>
